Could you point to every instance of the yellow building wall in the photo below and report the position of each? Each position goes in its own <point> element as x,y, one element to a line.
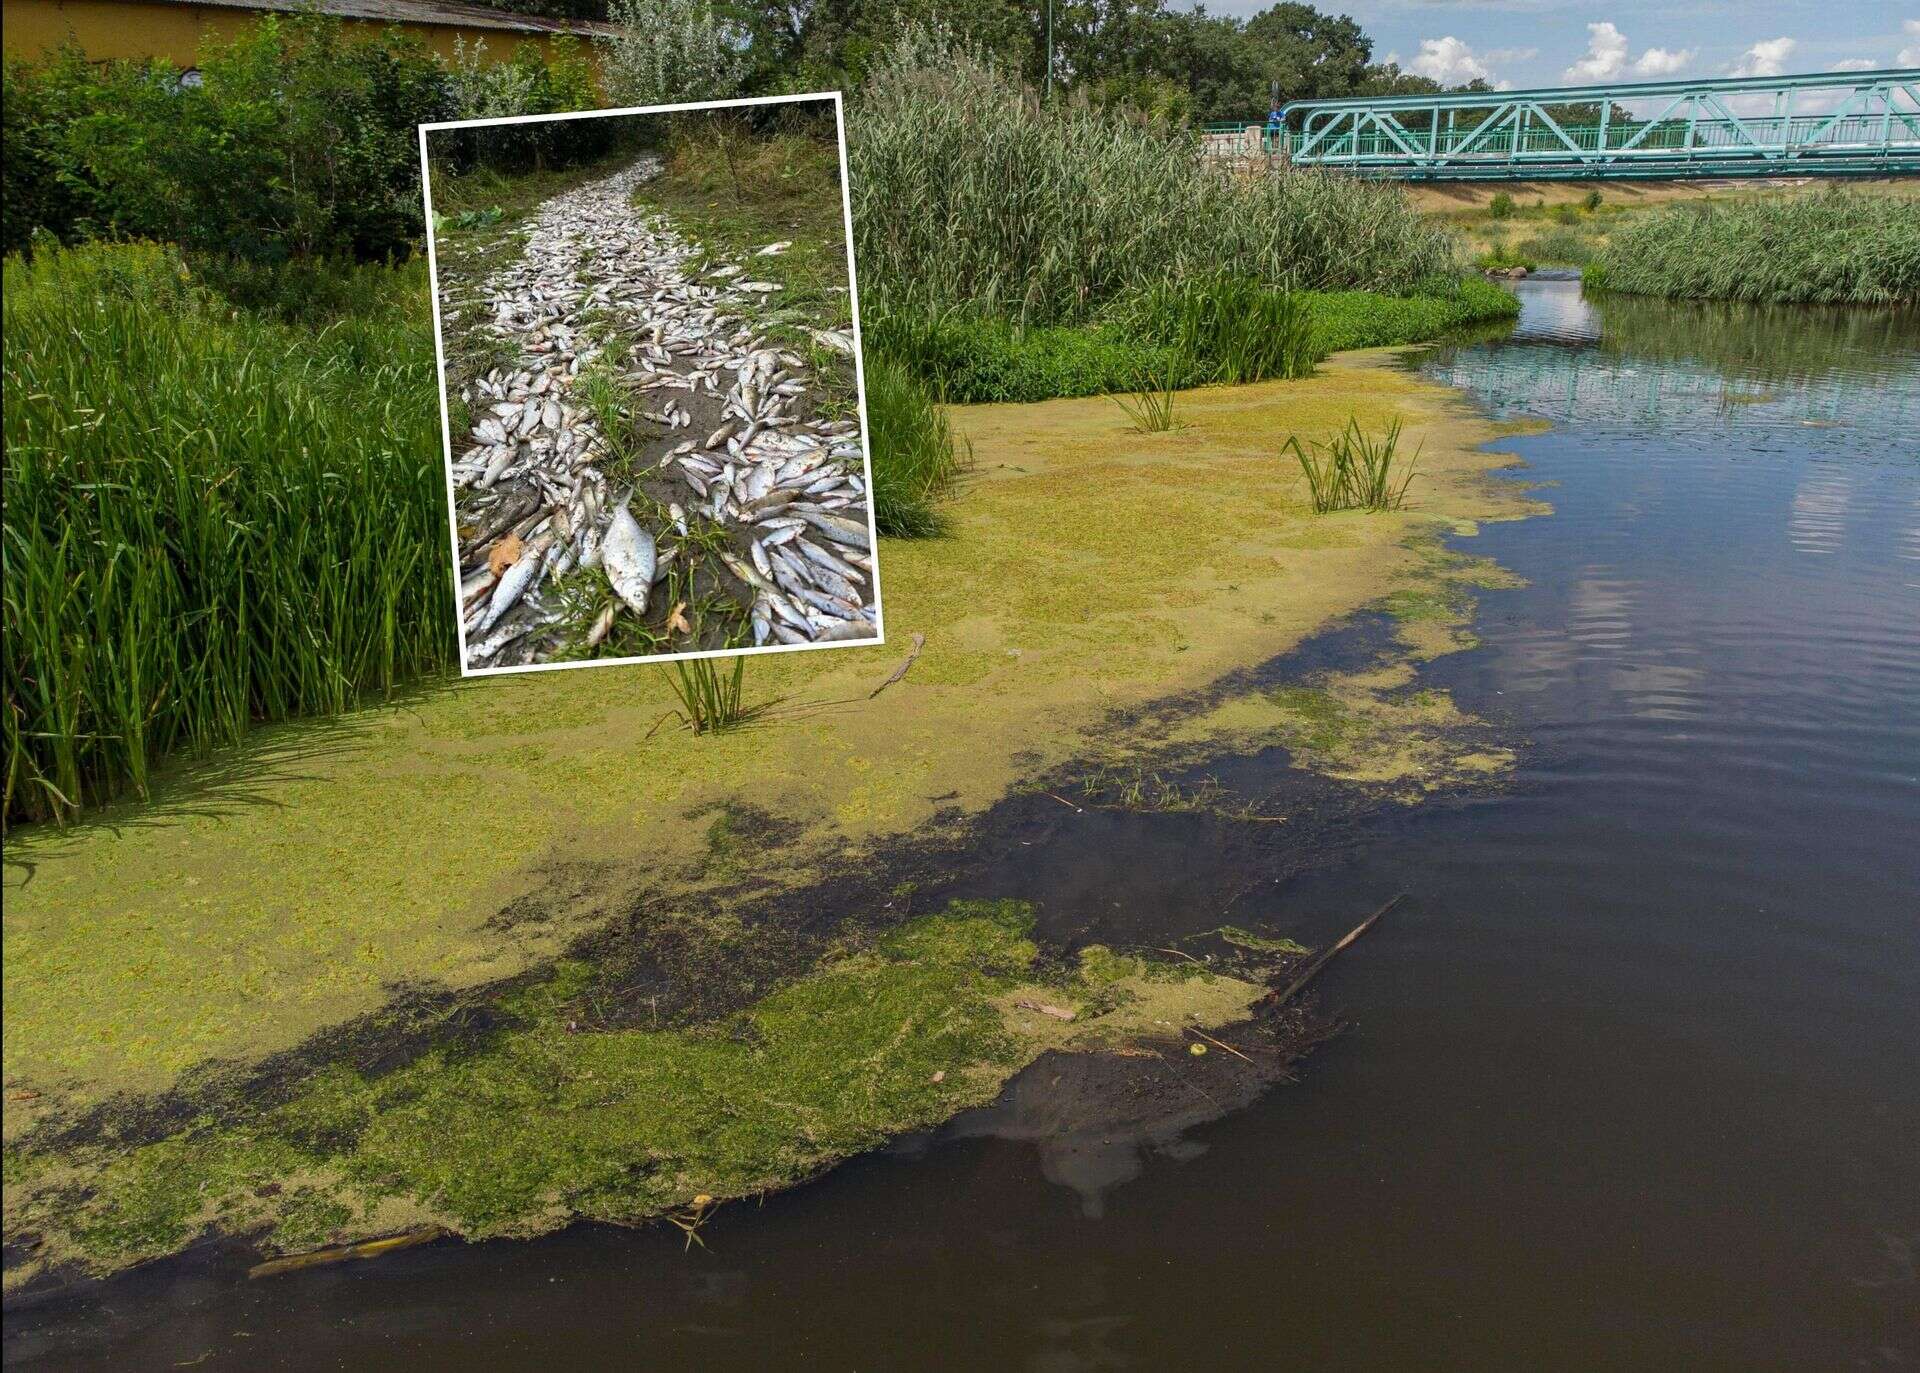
<point>108,29</point>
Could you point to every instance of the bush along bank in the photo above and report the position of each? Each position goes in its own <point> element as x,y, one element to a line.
<point>296,141</point>
<point>1836,247</point>
<point>962,357</point>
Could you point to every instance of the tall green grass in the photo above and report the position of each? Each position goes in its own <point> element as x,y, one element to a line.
<point>967,358</point>
<point>1838,246</point>
<point>965,189</point>
<point>913,453</point>
<point>1232,328</point>
<point>711,702</point>
<point>211,519</point>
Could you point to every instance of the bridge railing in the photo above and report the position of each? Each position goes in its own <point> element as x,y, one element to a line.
<point>1863,122</point>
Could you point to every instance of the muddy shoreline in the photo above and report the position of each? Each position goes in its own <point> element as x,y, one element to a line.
<point>1092,1113</point>
<point>756,898</point>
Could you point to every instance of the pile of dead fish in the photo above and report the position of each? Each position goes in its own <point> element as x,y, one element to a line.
<point>533,503</point>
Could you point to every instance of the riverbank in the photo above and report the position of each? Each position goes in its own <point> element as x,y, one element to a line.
<point>349,944</point>
<point>1534,224</point>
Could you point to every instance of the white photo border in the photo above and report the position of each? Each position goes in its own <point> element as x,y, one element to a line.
<point>859,370</point>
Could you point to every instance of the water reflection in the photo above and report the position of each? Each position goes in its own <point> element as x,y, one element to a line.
<point>1699,367</point>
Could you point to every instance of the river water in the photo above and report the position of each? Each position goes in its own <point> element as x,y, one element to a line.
<point>1634,1074</point>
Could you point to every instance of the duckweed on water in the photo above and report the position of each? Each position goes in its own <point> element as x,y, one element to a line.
<point>550,1119</point>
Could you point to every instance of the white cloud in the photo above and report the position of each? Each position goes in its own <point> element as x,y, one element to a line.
<point>1606,58</point>
<point>1449,61</point>
<point>1606,55</point>
<point>1910,57</point>
<point>1855,64</point>
<point>1662,61</point>
<point>1765,58</point>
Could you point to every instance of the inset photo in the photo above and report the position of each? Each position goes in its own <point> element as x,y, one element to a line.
<point>649,351</point>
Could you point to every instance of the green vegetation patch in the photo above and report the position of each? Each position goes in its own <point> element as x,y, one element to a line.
<point>964,357</point>
<point>1344,320</point>
<point>1836,246</point>
<point>212,518</point>
<point>1247,939</point>
<point>552,1118</point>
<point>965,193</point>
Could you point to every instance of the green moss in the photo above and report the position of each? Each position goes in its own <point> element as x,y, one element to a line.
<point>1324,721</point>
<point>1424,603</point>
<point>543,1121</point>
<point>1247,939</point>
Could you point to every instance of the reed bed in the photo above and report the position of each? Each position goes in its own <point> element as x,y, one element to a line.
<point>211,519</point>
<point>965,189</point>
<point>1354,472</point>
<point>1836,247</point>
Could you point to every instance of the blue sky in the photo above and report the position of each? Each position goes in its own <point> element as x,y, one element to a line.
<point>1581,42</point>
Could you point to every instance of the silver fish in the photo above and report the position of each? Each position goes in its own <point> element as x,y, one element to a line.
<point>629,557</point>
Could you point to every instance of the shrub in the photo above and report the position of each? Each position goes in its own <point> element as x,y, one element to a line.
<point>297,141</point>
<point>1593,201</point>
<point>672,50</point>
<point>527,83</point>
<point>1501,206</point>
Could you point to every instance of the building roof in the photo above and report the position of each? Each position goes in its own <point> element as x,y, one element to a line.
<point>413,12</point>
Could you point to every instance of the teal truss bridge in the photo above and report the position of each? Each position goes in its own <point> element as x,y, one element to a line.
<point>1824,124</point>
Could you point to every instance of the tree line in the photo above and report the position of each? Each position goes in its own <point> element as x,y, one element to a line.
<point>1172,64</point>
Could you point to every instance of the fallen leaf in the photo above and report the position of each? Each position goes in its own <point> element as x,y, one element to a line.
<point>505,554</point>
<point>677,622</point>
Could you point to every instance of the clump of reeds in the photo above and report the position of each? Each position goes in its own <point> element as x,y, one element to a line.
<point>1150,404</point>
<point>966,189</point>
<point>211,518</point>
<point>913,453</point>
<point>1833,247</point>
<point>709,701</point>
<point>1352,471</point>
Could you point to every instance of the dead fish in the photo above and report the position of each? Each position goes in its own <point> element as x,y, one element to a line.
<point>628,555</point>
<point>602,624</point>
<point>837,529</point>
<point>846,629</point>
<point>813,553</point>
<point>514,583</point>
<point>775,249</point>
